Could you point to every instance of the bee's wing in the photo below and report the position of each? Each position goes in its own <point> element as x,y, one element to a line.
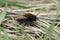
<point>21,19</point>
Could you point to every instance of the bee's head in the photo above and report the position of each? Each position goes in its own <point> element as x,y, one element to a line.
<point>34,17</point>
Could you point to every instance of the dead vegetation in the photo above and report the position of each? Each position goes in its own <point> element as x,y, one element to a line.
<point>44,10</point>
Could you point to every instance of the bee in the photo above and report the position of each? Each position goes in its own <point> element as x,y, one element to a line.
<point>26,19</point>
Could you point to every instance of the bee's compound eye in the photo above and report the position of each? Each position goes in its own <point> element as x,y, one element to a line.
<point>34,17</point>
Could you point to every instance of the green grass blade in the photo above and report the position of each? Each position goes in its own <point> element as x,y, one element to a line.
<point>12,4</point>
<point>0,38</point>
<point>51,27</point>
<point>6,36</point>
<point>3,14</point>
<point>0,34</point>
<point>2,17</point>
<point>58,37</point>
<point>25,34</point>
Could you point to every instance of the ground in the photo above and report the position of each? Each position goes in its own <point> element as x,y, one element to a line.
<point>45,10</point>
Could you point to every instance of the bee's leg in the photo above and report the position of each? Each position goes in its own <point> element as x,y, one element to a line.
<point>31,23</point>
<point>22,21</point>
<point>34,25</point>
